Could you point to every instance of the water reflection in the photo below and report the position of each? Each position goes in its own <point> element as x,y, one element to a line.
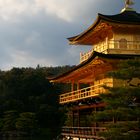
<point>25,138</point>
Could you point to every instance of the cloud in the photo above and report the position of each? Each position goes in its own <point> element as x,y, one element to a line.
<point>67,10</point>
<point>22,56</point>
<point>11,8</point>
<point>71,10</point>
<point>36,40</point>
<point>34,31</point>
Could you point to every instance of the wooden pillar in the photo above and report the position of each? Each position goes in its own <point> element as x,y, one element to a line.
<point>95,110</point>
<point>78,86</point>
<point>72,86</point>
<point>78,118</point>
<point>107,43</point>
<point>72,118</point>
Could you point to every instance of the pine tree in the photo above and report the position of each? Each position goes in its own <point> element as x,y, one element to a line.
<point>122,111</point>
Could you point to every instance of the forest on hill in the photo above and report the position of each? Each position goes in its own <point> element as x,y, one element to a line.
<point>29,102</point>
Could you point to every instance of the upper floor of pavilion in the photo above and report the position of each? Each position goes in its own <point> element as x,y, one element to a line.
<point>113,38</point>
<point>112,34</point>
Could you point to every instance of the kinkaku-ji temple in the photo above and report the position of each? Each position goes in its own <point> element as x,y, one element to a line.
<point>112,38</point>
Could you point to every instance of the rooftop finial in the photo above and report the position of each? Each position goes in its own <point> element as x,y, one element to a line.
<point>128,4</point>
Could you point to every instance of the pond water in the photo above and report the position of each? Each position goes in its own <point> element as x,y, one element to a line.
<point>26,138</point>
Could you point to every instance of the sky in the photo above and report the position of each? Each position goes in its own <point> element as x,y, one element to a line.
<point>35,32</point>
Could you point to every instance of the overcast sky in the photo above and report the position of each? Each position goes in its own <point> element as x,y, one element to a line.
<point>34,32</point>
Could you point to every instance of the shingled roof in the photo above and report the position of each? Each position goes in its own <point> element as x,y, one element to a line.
<point>91,58</point>
<point>125,17</point>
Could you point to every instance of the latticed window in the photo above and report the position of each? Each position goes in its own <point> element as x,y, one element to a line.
<point>136,39</point>
<point>123,43</point>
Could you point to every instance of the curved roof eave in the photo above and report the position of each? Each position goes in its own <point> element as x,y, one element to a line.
<point>126,17</point>
<point>93,55</point>
<point>74,38</point>
<point>121,21</point>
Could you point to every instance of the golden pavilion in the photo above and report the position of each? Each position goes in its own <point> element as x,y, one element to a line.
<point>112,38</point>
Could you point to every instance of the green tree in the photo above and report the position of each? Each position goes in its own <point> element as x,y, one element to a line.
<point>123,103</point>
<point>29,90</point>
<point>27,123</point>
<point>8,121</point>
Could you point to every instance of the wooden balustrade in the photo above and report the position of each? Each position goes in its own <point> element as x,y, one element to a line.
<point>113,44</point>
<point>85,56</point>
<point>82,93</point>
<point>82,132</point>
<point>130,45</point>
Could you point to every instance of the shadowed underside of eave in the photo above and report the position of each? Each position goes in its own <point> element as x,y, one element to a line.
<point>103,25</point>
<point>97,63</point>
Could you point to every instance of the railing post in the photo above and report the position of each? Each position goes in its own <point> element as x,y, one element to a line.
<point>107,43</point>
<point>81,57</point>
<point>81,93</point>
<point>93,131</point>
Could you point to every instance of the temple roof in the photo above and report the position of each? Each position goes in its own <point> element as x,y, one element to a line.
<point>95,59</point>
<point>85,71</point>
<point>125,17</point>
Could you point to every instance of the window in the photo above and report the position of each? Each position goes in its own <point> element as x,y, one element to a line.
<point>123,43</point>
<point>136,37</point>
<point>136,40</point>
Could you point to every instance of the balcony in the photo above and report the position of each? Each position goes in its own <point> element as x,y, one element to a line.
<point>119,46</point>
<point>84,93</point>
<point>114,47</point>
<point>82,132</point>
<point>85,56</point>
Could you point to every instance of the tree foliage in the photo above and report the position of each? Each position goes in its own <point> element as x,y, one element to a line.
<point>27,97</point>
<point>122,111</point>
